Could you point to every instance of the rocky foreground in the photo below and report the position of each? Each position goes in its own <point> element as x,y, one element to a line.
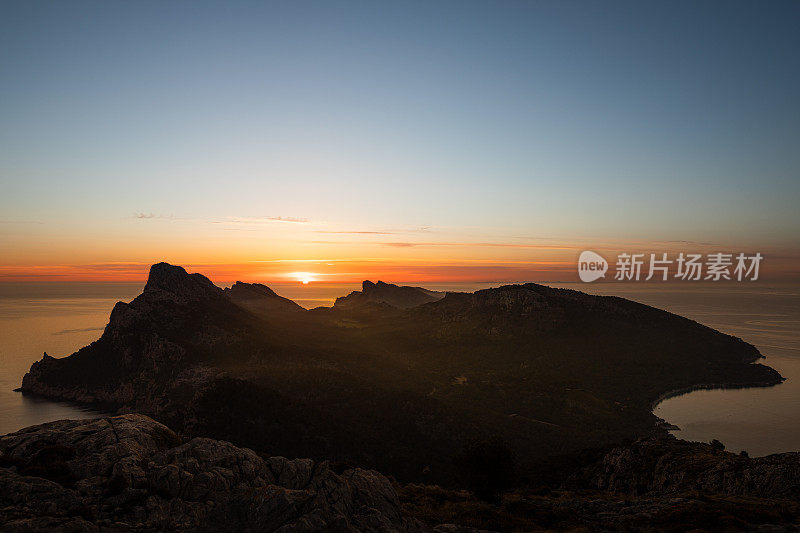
<point>659,484</point>
<point>132,473</point>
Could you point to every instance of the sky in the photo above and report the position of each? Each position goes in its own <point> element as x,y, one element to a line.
<point>409,141</point>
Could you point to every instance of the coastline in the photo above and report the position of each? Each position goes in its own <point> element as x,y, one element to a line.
<point>713,386</point>
<point>102,409</point>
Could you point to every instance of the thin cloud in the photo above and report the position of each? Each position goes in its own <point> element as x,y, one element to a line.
<point>81,330</point>
<point>289,219</point>
<point>422,229</point>
<point>692,243</point>
<point>356,232</point>
<point>262,220</point>
<point>408,244</point>
<point>153,216</point>
<point>115,266</point>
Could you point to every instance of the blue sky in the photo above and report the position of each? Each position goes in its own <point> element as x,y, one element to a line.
<point>476,120</point>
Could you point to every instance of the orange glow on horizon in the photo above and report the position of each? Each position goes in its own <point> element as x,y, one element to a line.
<point>400,266</point>
<point>325,271</point>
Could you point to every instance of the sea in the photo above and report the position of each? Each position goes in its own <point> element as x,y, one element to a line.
<point>59,318</point>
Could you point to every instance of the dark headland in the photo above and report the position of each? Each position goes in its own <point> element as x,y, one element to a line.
<point>504,390</point>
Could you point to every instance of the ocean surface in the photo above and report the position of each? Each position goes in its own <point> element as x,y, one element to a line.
<point>59,318</point>
<point>759,420</point>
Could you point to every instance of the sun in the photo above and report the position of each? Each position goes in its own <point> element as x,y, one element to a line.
<point>304,277</point>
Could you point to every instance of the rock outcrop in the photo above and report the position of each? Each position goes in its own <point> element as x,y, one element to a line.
<point>669,466</point>
<point>172,282</point>
<point>260,299</point>
<point>132,473</point>
<point>400,297</point>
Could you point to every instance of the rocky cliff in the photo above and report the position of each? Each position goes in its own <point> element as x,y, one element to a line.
<point>167,337</point>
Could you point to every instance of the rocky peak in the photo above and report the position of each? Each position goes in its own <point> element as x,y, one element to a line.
<point>401,297</point>
<point>369,286</point>
<point>250,290</point>
<point>165,279</point>
<point>259,298</point>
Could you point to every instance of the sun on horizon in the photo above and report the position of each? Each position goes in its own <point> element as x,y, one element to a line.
<point>304,277</point>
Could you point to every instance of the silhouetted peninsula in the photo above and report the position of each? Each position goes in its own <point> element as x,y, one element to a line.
<point>399,379</point>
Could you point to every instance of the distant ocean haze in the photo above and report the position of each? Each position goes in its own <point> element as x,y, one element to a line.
<point>59,318</point>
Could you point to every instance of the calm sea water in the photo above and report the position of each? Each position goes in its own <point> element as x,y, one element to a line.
<point>759,420</point>
<point>59,318</point>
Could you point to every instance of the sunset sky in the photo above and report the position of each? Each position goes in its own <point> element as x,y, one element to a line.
<point>485,141</point>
